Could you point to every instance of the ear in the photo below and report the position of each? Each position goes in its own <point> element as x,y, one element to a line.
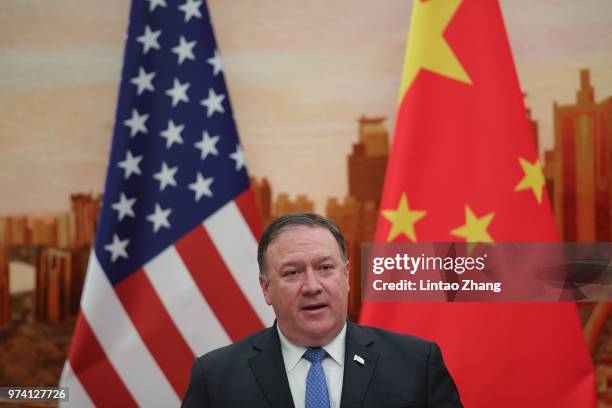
<point>265,288</point>
<point>346,274</point>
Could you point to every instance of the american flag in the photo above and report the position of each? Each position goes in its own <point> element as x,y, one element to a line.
<point>173,273</point>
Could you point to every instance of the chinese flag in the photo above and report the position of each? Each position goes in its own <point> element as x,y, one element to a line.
<point>464,168</point>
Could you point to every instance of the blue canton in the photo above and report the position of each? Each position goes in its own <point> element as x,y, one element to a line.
<point>175,157</point>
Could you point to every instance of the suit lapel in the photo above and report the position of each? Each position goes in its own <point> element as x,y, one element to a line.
<point>269,370</point>
<point>357,376</point>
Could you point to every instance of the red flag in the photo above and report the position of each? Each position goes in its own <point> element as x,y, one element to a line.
<point>464,168</point>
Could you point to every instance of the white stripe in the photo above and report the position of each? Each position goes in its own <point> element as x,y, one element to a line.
<point>77,396</point>
<point>235,242</point>
<point>121,341</point>
<point>184,302</point>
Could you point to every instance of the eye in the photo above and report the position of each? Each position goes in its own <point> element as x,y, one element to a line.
<point>291,272</point>
<point>327,267</point>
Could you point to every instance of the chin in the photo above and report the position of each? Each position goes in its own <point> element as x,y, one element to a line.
<point>318,330</point>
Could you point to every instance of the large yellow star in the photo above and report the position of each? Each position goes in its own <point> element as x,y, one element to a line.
<point>474,229</point>
<point>403,219</point>
<point>533,178</point>
<point>427,48</point>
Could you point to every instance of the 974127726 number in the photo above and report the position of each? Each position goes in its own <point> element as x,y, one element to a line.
<point>38,394</point>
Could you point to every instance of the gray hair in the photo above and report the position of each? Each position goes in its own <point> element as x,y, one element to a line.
<point>285,222</point>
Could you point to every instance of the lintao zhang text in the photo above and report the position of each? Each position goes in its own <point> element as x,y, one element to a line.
<point>433,286</point>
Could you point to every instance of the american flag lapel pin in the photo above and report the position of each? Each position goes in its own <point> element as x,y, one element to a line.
<point>359,359</point>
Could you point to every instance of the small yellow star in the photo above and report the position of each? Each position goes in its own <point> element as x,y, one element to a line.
<point>533,178</point>
<point>403,219</point>
<point>427,48</point>
<point>474,229</point>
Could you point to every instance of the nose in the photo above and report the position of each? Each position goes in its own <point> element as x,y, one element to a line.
<point>311,285</point>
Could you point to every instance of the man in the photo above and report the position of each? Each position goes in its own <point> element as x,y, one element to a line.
<point>313,357</point>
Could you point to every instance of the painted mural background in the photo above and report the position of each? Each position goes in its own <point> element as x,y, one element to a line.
<point>313,88</point>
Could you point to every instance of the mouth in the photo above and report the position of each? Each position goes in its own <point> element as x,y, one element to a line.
<point>314,307</point>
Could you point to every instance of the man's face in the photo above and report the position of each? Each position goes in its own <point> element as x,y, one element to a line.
<point>307,285</point>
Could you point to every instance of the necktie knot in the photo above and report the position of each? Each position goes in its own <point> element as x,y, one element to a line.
<point>315,355</point>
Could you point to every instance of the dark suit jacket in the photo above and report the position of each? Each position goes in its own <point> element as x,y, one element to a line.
<point>399,371</point>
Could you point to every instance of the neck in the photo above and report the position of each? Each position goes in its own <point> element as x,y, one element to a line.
<point>310,342</point>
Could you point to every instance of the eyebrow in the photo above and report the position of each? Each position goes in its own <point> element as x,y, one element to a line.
<point>293,262</point>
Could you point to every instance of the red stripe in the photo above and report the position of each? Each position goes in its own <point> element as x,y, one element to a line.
<point>246,204</point>
<point>93,369</point>
<point>156,328</point>
<point>217,284</point>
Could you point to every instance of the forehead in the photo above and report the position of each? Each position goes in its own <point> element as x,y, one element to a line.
<point>301,240</point>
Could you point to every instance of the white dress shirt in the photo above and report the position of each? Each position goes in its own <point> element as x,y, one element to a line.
<point>297,368</point>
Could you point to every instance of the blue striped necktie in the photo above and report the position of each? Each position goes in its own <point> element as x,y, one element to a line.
<point>316,387</point>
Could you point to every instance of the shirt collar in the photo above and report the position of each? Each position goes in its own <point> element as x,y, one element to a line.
<point>292,353</point>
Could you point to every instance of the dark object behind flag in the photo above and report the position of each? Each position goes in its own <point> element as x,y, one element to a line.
<point>174,263</point>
